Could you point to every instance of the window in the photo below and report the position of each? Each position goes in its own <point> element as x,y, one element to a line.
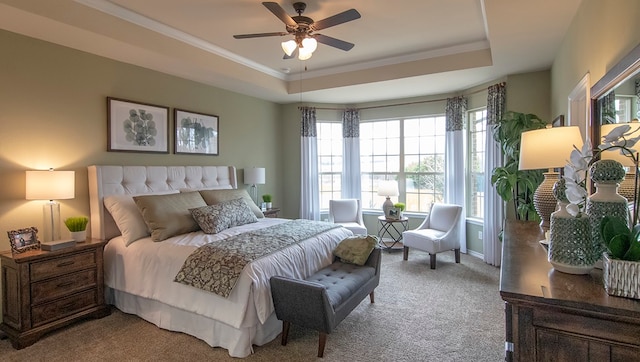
<point>410,151</point>
<point>329,161</point>
<point>475,175</point>
<point>623,108</point>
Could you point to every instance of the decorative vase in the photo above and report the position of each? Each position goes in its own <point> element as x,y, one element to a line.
<point>570,242</point>
<point>606,176</point>
<point>621,277</point>
<point>269,205</point>
<point>79,236</point>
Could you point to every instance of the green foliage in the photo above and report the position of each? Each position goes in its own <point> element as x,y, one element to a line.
<point>621,242</point>
<point>77,223</point>
<point>511,184</point>
<point>399,205</point>
<point>266,198</point>
<point>140,128</point>
<point>423,173</point>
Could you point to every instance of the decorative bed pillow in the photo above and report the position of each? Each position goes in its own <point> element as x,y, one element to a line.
<point>127,216</point>
<point>217,217</point>
<point>168,215</point>
<point>356,249</point>
<point>216,196</point>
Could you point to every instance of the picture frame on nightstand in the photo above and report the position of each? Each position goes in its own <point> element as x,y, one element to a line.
<point>25,239</point>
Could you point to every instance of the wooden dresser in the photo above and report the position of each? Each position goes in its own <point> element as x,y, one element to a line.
<point>43,291</point>
<point>553,316</point>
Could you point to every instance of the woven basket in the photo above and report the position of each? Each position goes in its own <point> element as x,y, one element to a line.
<point>621,277</point>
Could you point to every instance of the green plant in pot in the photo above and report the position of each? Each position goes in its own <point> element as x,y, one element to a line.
<point>77,225</point>
<point>266,198</point>
<point>400,206</point>
<point>621,261</point>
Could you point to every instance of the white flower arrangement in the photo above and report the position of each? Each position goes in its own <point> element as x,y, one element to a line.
<point>575,172</point>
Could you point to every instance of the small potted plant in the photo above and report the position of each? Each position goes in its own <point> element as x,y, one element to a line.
<point>400,206</point>
<point>77,225</point>
<point>621,260</point>
<point>267,200</point>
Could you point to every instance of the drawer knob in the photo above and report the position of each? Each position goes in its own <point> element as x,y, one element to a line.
<point>66,263</point>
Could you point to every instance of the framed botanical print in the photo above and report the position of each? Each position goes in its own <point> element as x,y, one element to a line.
<point>196,133</point>
<point>137,127</point>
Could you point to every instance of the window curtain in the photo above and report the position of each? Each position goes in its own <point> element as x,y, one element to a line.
<point>309,188</point>
<point>455,155</point>
<point>608,107</point>
<point>637,98</point>
<point>494,207</point>
<point>351,184</point>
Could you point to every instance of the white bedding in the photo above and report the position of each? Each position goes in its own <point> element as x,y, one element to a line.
<point>147,269</point>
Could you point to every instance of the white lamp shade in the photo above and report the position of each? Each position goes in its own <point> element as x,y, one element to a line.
<point>50,185</point>
<point>254,176</point>
<point>309,44</point>
<point>614,154</point>
<point>388,188</point>
<point>289,47</point>
<point>304,54</point>
<point>548,147</point>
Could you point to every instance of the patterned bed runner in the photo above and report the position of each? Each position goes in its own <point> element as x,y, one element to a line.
<point>216,267</point>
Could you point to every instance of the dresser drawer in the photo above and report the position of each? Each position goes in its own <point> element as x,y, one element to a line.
<point>63,285</point>
<point>63,307</point>
<point>62,265</point>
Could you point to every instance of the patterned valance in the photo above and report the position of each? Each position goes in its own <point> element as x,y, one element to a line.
<point>351,123</point>
<point>496,99</point>
<point>308,122</point>
<point>455,113</point>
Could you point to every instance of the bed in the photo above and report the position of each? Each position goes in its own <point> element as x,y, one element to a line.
<point>139,275</point>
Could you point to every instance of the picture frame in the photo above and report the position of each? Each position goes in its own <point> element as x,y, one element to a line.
<point>25,239</point>
<point>137,127</point>
<point>558,121</point>
<point>394,213</point>
<point>196,133</point>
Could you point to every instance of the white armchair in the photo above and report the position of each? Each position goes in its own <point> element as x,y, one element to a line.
<point>438,232</point>
<point>348,213</point>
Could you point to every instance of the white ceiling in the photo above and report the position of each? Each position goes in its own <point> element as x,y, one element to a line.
<point>402,48</point>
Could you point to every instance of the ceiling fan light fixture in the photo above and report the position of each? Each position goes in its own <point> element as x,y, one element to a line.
<point>304,54</point>
<point>289,47</point>
<point>309,44</point>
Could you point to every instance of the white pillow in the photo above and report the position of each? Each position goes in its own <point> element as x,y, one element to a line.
<point>221,187</point>
<point>128,217</point>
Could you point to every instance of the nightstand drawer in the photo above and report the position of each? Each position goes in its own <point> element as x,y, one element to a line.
<point>67,264</point>
<point>63,307</point>
<point>61,286</point>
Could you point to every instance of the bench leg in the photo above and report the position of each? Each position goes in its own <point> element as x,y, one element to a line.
<point>321,343</point>
<point>457,251</point>
<point>432,262</point>
<point>372,297</point>
<point>285,332</point>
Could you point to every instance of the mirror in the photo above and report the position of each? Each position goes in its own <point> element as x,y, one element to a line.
<point>615,98</point>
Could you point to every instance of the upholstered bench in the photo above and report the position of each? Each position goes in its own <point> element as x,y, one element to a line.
<point>324,299</point>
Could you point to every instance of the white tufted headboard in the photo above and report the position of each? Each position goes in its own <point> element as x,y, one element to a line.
<point>136,180</point>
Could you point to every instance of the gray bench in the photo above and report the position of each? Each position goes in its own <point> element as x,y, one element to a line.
<point>325,298</point>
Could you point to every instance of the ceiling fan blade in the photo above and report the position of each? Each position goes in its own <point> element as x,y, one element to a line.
<point>278,11</point>
<point>343,17</point>
<point>293,55</point>
<point>259,35</point>
<point>336,43</point>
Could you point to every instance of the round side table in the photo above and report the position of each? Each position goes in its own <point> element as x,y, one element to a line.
<point>390,232</point>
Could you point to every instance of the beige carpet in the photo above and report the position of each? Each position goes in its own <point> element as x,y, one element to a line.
<point>453,313</point>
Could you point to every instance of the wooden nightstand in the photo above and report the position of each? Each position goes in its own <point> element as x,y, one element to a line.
<point>272,212</point>
<point>46,290</point>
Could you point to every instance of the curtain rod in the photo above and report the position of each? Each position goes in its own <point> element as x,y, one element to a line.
<point>400,104</point>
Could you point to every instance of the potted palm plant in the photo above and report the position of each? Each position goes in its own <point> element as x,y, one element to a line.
<point>77,225</point>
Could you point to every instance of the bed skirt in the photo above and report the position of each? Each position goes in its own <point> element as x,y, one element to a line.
<point>239,342</point>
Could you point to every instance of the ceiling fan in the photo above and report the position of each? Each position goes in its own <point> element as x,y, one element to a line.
<point>303,28</point>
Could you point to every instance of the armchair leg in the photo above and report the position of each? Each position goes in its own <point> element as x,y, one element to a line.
<point>405,253</point>
<point>321,343</point>
<point>372,297</point>
<point>432,262</point>
<point>457,251</point>
<point>285,332</point>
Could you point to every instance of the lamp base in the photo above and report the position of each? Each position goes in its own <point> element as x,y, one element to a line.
<point>388,205</point>
<point>543,200</point>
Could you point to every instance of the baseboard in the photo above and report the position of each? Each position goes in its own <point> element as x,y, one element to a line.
<point>475,253</point>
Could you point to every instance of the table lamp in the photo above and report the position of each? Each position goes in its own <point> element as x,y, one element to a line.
<point>254,176</point>
<point>626,188</point>
<point>387,188</point>
<point>547,148</point>
<point>50,185</point>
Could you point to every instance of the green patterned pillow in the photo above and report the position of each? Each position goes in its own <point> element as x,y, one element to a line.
<point>356,249</point>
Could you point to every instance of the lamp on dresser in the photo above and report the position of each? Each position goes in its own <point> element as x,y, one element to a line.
<point>254,176</point>
<point>547,148</point>
<point>50,185</point>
